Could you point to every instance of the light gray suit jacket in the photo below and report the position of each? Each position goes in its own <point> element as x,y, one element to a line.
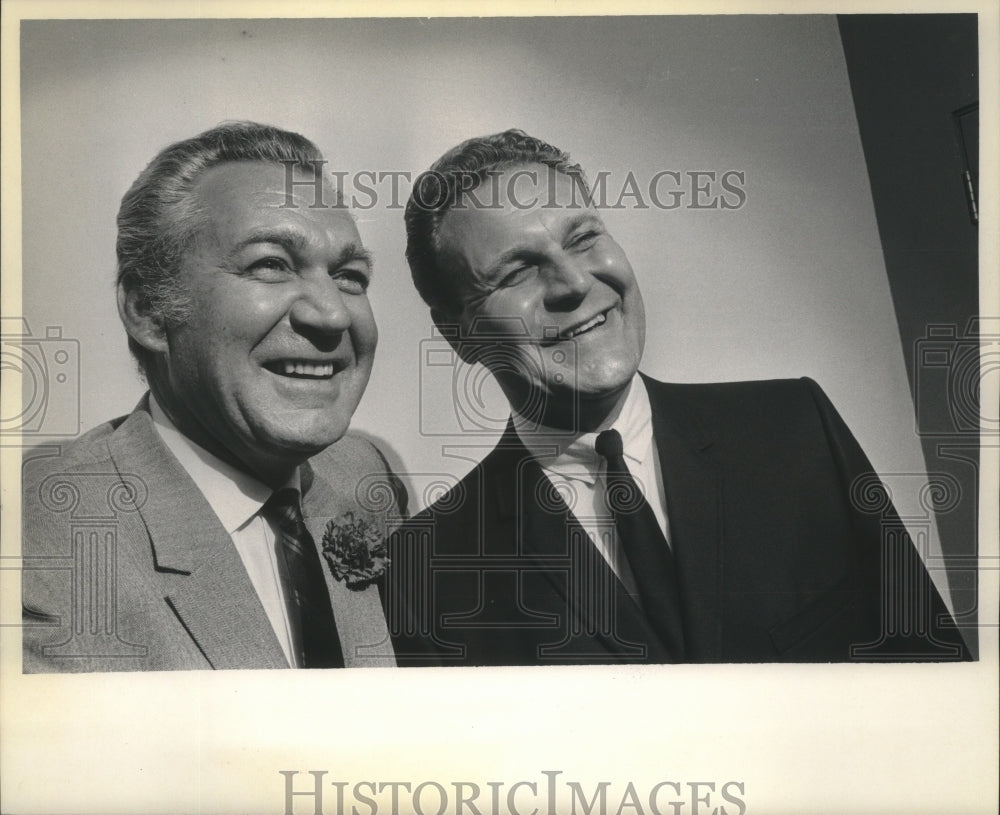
<point>127,568</point>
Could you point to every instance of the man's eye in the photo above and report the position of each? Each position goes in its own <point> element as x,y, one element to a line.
<point>352,281</point>
<point>585,239</point>
<point>515,276</point>
<point>269,264</point>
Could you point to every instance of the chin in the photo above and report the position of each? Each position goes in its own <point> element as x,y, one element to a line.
<point>304,442</point>
<point>607,385</point>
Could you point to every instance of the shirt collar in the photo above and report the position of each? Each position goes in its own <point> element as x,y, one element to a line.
<point>235,496</point>
<point>573,456</point>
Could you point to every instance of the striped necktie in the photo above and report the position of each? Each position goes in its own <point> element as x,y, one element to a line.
<point>309,600</point>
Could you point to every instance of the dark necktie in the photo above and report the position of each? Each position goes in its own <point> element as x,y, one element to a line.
<point>319,645</point>
<point>644,545</point>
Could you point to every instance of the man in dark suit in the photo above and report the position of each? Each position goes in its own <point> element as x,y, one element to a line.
<point>621,519</point>
<point>223,523</point>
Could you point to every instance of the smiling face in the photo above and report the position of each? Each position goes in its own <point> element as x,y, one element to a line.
<point>276,353</point>
<point>543,280</point>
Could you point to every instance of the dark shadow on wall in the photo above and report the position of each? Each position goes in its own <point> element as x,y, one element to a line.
<point>914,78</point>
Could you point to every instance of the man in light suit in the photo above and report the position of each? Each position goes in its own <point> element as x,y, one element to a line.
<point>620,519</point>
<point>224,523</point>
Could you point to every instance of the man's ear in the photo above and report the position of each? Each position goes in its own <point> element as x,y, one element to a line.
<point>144,327</point>
<point>450,328</point>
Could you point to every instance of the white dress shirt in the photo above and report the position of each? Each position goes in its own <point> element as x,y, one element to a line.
<point>237,498</point>
<point>575,469</point>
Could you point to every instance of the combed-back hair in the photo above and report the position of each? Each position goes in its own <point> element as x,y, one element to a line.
<point>458,172</point>
<point>158,219</point>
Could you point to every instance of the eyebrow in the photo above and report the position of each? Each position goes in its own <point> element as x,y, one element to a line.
<point>520,252</point>
<point>355,251</point>
<point>290,240</point>
<point>293,242</point>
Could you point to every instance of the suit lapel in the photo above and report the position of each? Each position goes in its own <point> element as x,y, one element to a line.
<point>546,530</point>
<point>361,626</point>
<point>533,517</point>
<point>693,495</point>
<point>208,589</point>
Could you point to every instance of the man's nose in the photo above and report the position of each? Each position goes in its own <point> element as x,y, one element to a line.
<point>320,307</point>
<point>568,280</point>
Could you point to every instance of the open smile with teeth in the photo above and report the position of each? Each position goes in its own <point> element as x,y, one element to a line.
<point>600,319</point>
<point>302,369</point>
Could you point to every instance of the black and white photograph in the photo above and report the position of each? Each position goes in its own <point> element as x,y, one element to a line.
<point>527,411</point>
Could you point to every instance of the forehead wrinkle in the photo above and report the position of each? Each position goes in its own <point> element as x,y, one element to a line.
<point>298,243</point>
<point>581,218</point>
<point>291,239</point>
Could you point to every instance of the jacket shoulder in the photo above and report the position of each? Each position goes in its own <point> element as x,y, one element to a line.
<point>354,459</point>
<point>743,393</point>
<point>779,404</point>
<point>487,488</point>
<point>89,451</point>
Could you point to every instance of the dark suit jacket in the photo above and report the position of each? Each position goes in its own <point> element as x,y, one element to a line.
<point>127,568</point>
<point>785,550</point>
